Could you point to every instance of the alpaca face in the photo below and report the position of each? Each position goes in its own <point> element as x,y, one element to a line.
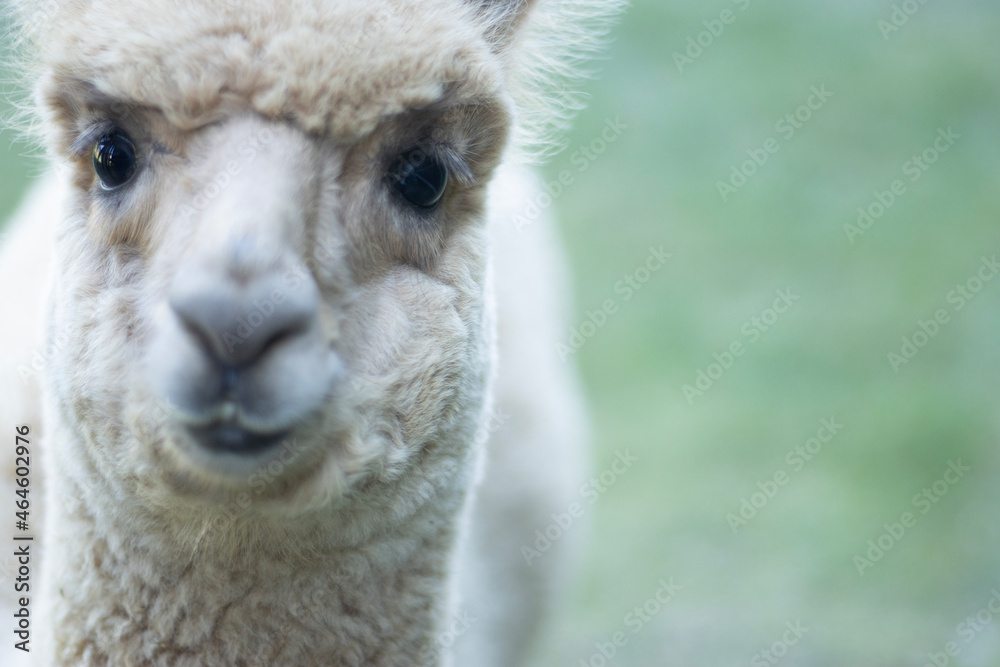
<point>274,251</point>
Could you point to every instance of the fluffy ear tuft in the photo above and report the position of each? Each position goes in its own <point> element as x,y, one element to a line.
<point>502,18</point>
<point>36,18</point>
<point>547,45</point>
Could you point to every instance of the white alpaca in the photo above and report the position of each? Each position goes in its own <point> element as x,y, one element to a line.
<point>282,243</point>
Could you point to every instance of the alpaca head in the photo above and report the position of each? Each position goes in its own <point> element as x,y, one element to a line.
<point>272,269</point>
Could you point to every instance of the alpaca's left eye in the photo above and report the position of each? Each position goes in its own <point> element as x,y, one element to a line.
<point>114,160</point>
<point>419,179</point>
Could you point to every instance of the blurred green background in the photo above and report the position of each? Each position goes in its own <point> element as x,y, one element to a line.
<point>827,356</point>
<point>793,564</point>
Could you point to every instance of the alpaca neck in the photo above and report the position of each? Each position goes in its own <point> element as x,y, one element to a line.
<point>123,585</point>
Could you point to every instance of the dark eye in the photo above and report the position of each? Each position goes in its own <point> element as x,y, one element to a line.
<point>114,160</point>
<point>419,179</point>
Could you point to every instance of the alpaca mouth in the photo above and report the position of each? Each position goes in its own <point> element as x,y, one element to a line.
<point>228,429</point>
<point>231,437</point>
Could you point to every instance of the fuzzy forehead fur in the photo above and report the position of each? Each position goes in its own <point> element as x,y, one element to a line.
<point>332,67</point>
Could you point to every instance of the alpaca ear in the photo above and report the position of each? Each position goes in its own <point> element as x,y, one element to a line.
<point>502,19</point>
<point>546,46</point>
<point>35,19</point>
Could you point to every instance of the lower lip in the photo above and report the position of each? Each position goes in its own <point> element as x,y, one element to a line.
<point>233,439</point>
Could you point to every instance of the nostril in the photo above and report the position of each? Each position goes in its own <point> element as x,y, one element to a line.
<point>292,331</point>
<point>238,324</point>
<point>193,315</point>
<point>195,327</point>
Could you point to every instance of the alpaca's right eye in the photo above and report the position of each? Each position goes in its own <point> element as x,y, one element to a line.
<point>420,179</point>
<point>114,160</point>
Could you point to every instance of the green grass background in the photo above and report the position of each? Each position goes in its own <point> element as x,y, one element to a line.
<point>826,357</point>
